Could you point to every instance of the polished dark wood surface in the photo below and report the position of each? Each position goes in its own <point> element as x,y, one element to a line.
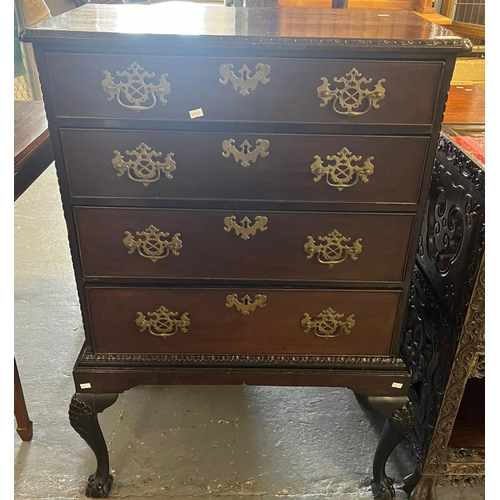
<point>465,105</point>
<point>286,168</point>
<point>318,27</point>
<point>209,251</point>
<point>216,328</point>
<point>32,146</point>
<point>290,96</point>
<point>470,424</point>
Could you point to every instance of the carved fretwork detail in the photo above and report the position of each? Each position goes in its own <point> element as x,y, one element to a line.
<point>451,242</point>
<point>470,340</point>
<point>445,227</point>
<point>479,368</point>
<point>468,169</point>
<point>427,347</point>
<point>464,467</point>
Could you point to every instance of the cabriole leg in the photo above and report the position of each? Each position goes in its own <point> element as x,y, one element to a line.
<point>397,425</point>
<point>83,411</point>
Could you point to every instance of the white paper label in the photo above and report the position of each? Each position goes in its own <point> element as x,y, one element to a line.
<point>196,113</point>
<point>396,385</point>
<point>85,386</point>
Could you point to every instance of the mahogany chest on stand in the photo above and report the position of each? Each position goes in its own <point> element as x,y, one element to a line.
<point>243,190</point>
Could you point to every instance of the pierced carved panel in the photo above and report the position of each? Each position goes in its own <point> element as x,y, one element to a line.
<point>451,242</point>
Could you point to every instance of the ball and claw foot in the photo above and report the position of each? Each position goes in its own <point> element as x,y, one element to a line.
<point>383,490</point>
<point>97,488</point>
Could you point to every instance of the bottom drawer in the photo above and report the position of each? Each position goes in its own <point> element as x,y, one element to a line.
<point>242,321</point>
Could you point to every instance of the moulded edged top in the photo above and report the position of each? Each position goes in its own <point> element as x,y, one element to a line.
<point>180,22</point>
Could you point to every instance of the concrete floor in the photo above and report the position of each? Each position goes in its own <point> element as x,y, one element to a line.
<point>174,443</point>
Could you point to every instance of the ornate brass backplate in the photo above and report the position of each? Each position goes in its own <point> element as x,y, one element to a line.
<point>152,243</point>
<point>342,173</point>
<point>162,322</point>
<point>329,323</point>
<point>354,98</point>
<point>333,249</point>
<point>245,83</point>
<point>142,166</point>
<point>137,93</point>
<point>245,229</point>
<point>245,155</point>
<point>246,305</point>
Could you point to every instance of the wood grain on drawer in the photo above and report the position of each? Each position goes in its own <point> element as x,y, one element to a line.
<point>219,244</point>
<point>169,88</point>
<point>180,165</point>
<point>199,321</point>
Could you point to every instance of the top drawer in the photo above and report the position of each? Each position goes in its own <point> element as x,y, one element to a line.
<point>243,89</point>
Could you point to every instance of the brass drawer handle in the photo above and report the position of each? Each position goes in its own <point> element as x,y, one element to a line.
<point>245,82</point>
<point>245,229</point>
<point>354,98</point>
<point>342,173</point>
<point>333,249</point>
<point>139,95</point>
<point>162,322</point>
<point>143,165</point>
<point>329,324</point>
<point>152,243</point>
<point>245,154</point>
<point>246,305</point>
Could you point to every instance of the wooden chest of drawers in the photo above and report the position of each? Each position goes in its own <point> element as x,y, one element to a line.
<point>243,190</point>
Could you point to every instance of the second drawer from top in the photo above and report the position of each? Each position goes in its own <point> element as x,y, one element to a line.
<point>261,167</point>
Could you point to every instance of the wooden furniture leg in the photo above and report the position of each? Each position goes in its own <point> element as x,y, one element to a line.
<point>24,424</point>
<point>83,412</point>
<point>398,414</point>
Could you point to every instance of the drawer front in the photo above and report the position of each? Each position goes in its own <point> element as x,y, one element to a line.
<point>178,165</point>
<point>248,90</point>
<point>242,321</point>
<point>243,244</point>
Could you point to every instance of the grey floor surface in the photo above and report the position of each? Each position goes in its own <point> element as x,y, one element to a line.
<point>177,443</point>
